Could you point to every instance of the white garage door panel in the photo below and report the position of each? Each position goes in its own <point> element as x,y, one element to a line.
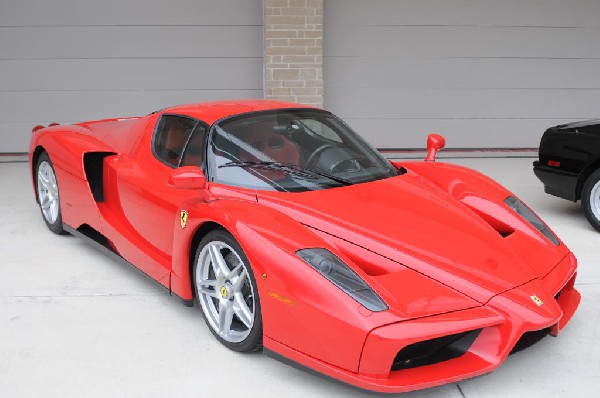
<point>129,12</point>
<point>376,102</point>
<point>463,12</point>
<point>130,42</point>
<point>86,105</point>
<point>463,73</point>
<point>486,73</point>
<point>114,74</point>
<point>75,60</point>
<point>459,133</point>
<point>461,41</point>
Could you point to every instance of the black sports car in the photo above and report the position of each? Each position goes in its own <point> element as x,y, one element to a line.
<point>569,165</point>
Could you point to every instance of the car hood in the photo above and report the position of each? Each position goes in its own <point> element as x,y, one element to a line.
<point>411,222</point>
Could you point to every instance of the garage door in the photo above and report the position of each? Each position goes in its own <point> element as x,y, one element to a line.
<point>485,73</point>
<point>73,60</point>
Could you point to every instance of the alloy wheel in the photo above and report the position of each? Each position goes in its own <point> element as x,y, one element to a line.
<point>225,292</point>
<point>48,192</point>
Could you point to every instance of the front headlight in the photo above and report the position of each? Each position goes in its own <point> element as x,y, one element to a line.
<point>521,209</point>
<point>338,273</point>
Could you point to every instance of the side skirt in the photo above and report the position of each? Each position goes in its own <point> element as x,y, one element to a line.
<point>98,244</point>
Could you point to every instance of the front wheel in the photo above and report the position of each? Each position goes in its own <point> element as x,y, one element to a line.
<point>227,293</point>
<point>47,194</point>
<point>590,199</point>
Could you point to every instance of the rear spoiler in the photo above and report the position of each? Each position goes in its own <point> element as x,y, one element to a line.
<point>39,126</point>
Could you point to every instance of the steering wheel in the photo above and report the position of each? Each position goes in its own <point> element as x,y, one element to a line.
<point>314,157</point>
<point>332,159</point>
<point>347,165</point>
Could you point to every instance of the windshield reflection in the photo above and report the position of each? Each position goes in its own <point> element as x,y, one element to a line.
<point>292,150</point>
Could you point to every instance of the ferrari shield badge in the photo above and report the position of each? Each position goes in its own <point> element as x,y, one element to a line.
<point>537,300</point>
<point>224,292</point>
<point>183,216</point>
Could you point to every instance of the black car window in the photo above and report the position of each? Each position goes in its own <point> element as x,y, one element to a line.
<point>194,152</point>
<point>170,137</point>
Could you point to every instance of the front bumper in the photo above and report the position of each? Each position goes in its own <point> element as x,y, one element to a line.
<point>557,182</point>
<point>498,326</point>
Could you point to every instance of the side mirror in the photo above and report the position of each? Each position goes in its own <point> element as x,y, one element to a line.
<point>188,177</point>
<point>435,142</point>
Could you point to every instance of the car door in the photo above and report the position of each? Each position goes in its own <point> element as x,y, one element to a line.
<point>150,208</point>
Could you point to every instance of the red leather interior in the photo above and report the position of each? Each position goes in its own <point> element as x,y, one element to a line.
<point>276,146</point>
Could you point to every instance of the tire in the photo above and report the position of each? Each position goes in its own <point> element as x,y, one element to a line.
<point>226,292</point>
<point>48,197</point>
<point>590,199</point>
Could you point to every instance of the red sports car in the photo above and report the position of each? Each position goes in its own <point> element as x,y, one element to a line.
<point>293,235</point>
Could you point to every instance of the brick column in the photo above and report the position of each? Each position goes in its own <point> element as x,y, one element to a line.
<point>293,50</point>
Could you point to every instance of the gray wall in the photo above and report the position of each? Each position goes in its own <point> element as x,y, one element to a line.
<point>485,73</point>
<point>72,60</point>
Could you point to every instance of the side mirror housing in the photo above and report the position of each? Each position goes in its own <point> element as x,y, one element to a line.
<point>435,142</point>
<point>188,177</point>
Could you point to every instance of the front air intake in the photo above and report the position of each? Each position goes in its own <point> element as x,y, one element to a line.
<point>435,350</point>
<point>529,338</point>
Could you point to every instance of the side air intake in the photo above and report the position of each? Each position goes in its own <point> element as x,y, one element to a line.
<point>93,164</point>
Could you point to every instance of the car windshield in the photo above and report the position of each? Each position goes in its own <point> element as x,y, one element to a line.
<point>292,150</point>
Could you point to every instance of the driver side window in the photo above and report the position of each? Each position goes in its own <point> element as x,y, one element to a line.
<point>170,137</point>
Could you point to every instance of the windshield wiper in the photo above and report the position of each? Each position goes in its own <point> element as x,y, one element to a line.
<point>287,167</point>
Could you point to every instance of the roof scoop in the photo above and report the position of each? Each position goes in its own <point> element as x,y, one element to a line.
<point>435,142</point>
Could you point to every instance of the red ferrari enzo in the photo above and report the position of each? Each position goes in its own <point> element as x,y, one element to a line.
<point>291,233</point>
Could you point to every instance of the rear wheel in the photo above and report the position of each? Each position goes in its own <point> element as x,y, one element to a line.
<point>227,293</point>
<point>590,199</point>
<point>47,194</point>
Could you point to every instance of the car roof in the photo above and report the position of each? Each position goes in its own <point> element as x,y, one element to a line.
<point>210,112</point>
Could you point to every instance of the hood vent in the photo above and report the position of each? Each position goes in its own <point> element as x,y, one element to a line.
<point>502,228</point>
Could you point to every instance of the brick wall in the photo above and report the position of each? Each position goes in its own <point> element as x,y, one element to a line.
<point>293,50</point>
